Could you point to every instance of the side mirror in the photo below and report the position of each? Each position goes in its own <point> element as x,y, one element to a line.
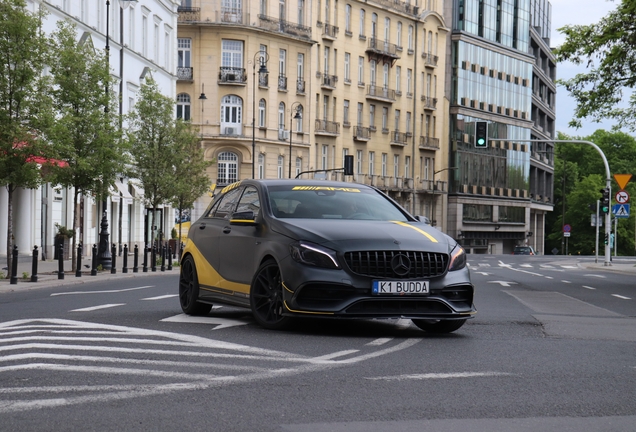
<point>243,218</point>
<point>424,219</point>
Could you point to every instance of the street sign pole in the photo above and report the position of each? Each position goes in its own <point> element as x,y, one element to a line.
<point>597,219</point>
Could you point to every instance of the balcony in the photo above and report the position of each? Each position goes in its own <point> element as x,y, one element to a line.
<point>382,51</point>
<point>188,14</point>
<point>429,102</point>
<point>300,86</point>
<point>232,76</point>
<point>398,138</point>
<point>329,82</point>
<point>429,143</point>
<point>383,94</point>
<point>327,128</point>
<point>184,74</point>
<point>430,60</point>
<point>361,133</point>
<point>282,26</point>
<point>282,83</point>
<point>329,32</point>
<point>233,15</point>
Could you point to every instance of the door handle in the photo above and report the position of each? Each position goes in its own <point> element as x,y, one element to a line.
<point>227,230</point>
<point>202,226</point>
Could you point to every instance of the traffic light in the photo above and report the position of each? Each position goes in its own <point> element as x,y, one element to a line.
<point>606,239</point>
<point>481,134</point>
<point>605,201</point>
<point>348,165</point>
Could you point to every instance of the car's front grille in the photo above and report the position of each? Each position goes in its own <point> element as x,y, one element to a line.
<point>377,264</point>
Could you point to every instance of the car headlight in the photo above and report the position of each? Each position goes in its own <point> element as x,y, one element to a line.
<point>313,254</point>
<point>457,258</point>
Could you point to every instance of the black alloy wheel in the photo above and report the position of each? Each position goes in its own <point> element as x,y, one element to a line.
<point>189,289</point>
<point>266,297</point>
<point>439,326</point>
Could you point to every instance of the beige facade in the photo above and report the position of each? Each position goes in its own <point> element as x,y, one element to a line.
<point>365,78</point>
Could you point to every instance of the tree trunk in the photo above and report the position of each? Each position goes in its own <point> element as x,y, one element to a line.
<point>10,190</point>
<point>73,243</point>
<point>180,222</point>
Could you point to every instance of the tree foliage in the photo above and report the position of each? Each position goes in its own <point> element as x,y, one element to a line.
<point>24,106</point>
<point>84,134</point>
<point>608,50</point>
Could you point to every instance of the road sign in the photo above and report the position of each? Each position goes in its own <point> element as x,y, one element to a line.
<point>566,234</point>
<point>567,228</point>
<point>622,197</point>
<point>621,210</point>
<point>622,179</point>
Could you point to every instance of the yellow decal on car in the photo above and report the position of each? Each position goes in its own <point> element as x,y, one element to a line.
<point>306,312</point>
<point>208,276</point>
<point>325,188</point>
<point>430,237</point>
<point>231,186</point>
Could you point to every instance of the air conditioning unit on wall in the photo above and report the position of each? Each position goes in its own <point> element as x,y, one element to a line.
<point>230,131</point>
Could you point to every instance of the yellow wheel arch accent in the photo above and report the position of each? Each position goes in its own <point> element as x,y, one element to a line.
<point>208,276</point>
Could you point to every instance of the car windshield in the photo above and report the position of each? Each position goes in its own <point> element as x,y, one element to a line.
<point>326,202</point>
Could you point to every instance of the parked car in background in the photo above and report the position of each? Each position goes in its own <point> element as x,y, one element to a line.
<point>523,250</point>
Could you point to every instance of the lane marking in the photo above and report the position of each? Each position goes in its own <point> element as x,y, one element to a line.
<point>546,266</point>
<point>94,308</point>
<point>101,292</point>
<point>589,287</point>
<point>161,297</point>
<point>484,273</point>
<point>595,275</point>
<point>569,266</point>
<point>622,297</point>
<point>565,281</point>
<point>438,376</point>
<point>336,354</point>
<point>549,277</point>
<point>509,267</point>
<point>526,265</point>
<point>378,342</point>
<point>219,322</point>
<point>504,283</point>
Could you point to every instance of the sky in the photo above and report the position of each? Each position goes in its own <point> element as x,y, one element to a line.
<point>567,12</point>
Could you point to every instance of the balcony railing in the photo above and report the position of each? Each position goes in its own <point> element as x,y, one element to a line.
<point>361,133</point>
<point>330,32</point>
<point>300,86</point>
<point>277,25</point>
<point>429,102</point>
<point>429,143</point>
<point>189,14</point>
<point>383,48</point>
<point>232,75</point>
<point>382,93</point>
<point>184,74</point>
<point>233,15</point>
<point>398,138</point>
<point>430,59</point>
<point>263,80</point>
<point>282,82</point>
<point>327,127</point>
<point>329,81</point>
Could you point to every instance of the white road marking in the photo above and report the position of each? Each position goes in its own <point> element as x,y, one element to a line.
<point>504,283</point>
<point>547,266</point>
<point>565,281</point>
<point>94,308</point>
<point>526,265</point>
<point>101,292</point>
<point>161,297</point>
<point>589,287</point>
<point>438,376</point>
<point>483,273</point>
<point>219,322</point>
<point>336,354</point>
<point>509,267</point>
<point>549,277</point>
<point>622,297</point>
<point>595,275</point>
<point>380,341</point>
<point>569,266</point>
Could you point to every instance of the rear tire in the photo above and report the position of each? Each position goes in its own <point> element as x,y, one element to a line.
<point>266,297</point>
<point>189,289</point>
<point>439,326</point>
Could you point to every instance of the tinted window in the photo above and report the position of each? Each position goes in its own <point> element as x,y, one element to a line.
<point>249,201</point>
<point>227,203</point>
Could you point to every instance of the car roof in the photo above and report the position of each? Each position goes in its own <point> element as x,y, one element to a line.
<point>302,182</point>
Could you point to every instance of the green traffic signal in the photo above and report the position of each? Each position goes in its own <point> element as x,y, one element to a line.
<point>481,134</point>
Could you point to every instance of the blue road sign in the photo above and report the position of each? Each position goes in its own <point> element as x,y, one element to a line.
<point>620,210</point>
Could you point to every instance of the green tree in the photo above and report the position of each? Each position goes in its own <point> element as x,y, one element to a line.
<point>607,49</point>
<point>85,134</point>
<point>191,179</point>
<point>24,106</point>
<point>152,136</point>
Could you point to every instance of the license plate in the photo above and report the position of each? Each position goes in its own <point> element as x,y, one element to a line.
<point>400,287</point>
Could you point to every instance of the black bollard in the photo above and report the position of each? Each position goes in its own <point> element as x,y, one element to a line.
<point>60,262</point>
<point>113,255</point>
<point>136,259</point>
<point>78,270</point>
<point>14,266</point>
<point>125,268</point>
<point>145,267</point>
<point>94,261</point>
<point>169,258</point>
<point>153,259</point>
<point>163,258</point>
<point>34,265</point>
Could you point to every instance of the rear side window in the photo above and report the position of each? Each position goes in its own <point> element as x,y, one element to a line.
<point>250,201</point>
<point>227,204</point>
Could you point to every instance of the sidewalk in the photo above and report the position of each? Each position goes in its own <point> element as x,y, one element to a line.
<point>47,273</point>
<point>615,267</point>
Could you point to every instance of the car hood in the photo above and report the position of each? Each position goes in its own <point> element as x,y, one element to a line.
<point>360,235</point>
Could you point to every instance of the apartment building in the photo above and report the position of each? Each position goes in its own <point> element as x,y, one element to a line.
<point>288,88</point>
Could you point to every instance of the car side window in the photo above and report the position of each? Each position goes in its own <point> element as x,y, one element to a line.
<point>212,208</point>
<point>250,201</point>
<point>227,203</point>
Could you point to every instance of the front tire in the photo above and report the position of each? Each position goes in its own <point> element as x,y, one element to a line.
<point>189,289</point>
<point>439,326</point>
<point>266,297</point>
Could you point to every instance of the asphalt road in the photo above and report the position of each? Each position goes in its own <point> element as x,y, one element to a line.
<point>552,348</point>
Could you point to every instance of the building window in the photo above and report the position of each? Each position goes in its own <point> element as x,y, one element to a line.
<point>227,168</point>
<point>231,115</point>
<point>396,166</point>
<point>144,35</point>
<point>299,163</point>
<point>301,12</point>
<point>371,116</point>
<point>232,53</point>
<point>407,167</point>
<point>183,106</point>
<point>371,163</point>
<point>279,168</point>
<point>261,113</point>
<point>360,70</point>
<point>281,116</point>
<point>398,36</point>
<point>409,82</point>
<point>410,38</point>
<point>361,22</point>
<point>347,67</point>
<point>385,119</point>
<point>384,160</point>
<point>359,161</point>
<point>324,160</point>
<point>348,18</point>
<point>345,112</point>
<point>299,121</point>
<point>261,166</point>
<point>184,55</point>
<point>398,75</point>
<point>512,214</point>
<point>477,213</point>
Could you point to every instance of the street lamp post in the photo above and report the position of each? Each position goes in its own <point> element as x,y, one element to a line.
<point>296,116</point>
<point>264,57</point>
<point>434,189</point>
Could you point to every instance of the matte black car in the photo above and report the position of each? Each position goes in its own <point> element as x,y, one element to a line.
<point>302,248</point>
